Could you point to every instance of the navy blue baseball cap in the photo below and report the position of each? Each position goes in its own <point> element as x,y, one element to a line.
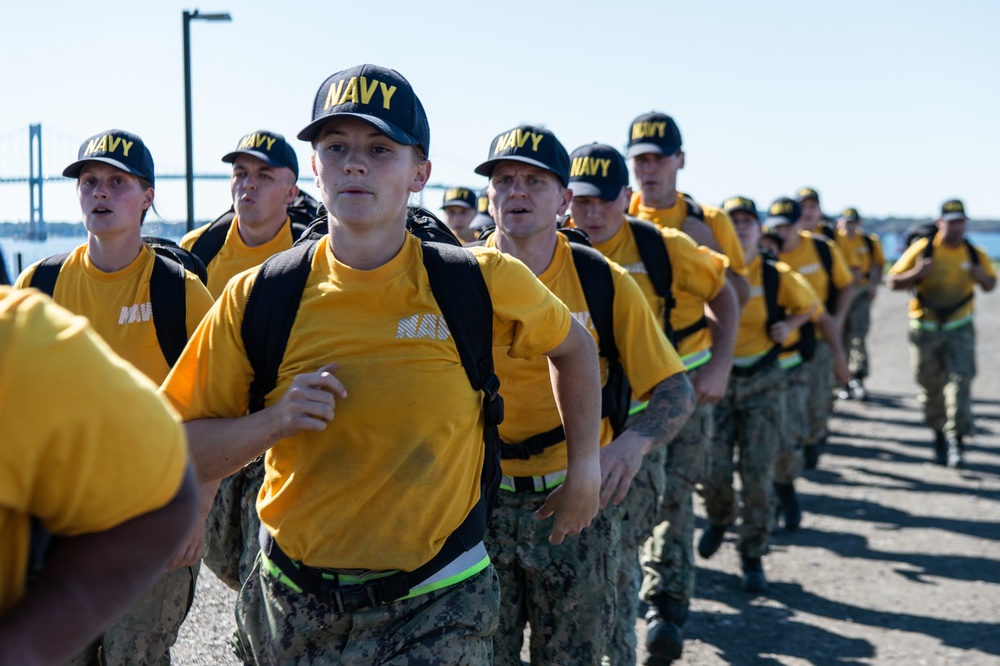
<point>122,150</point>
<point>782,211</point>
<point>377,95</point>
<point>807,193</point>
<point>460,196</point>
<point>745,204</point>
<point>269,148</point>
<point>953,209</point>
<point>597,170</point>
<point>529,144</point>
<point>653,132</point>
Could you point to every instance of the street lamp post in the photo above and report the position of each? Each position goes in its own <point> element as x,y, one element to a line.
<point>189,159</point>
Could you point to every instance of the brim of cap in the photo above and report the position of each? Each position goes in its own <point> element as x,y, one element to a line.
<point>263,157</point>
<point>851,218</point>
<point>948,217</point>
<point>458,202</point>
<point>583,188</point>
<point>646,148</point>
<point>772,222</point>
<point>395,133</point>
<point>486,168</point>
<point>74,169</point>
<point>744,209</point>
<point>814,197</point>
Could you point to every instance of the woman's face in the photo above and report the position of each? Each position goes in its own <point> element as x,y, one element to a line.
<point>112,201</point>
<point>364,177</point>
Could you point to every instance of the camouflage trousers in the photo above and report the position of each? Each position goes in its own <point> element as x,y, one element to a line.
<point>668,556</point>
<point>566,593</point>
<point>821,398</point>
<point>454,625</point>
<point>145,634</point>
<point>856,327</point>
<point>232,527</point>
<point>640,510</point>
<point>944,363</point>
<point>788,462</point>
<point>748,422</point>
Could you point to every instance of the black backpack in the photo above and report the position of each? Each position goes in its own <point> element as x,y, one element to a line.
<point>599,290</point>
<point>460,291</point>
<point>928,230</point>
<point>167,292</point>
<point>302,212</point>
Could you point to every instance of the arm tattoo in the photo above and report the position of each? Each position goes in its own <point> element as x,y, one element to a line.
<point>669,408</point>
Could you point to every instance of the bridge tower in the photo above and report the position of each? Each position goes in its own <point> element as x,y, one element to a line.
<point>36,225</point>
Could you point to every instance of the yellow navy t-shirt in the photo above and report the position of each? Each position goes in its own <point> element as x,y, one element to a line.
<point>235,256</point>
<point>398,469</point>
<point>646,356</point>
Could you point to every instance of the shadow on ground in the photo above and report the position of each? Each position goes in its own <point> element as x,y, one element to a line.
<point>784,637</point>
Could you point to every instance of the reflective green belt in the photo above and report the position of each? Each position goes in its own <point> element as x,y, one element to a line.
<point>696,360</point>
<point>532,484</point>
<point>790,362</point>
<point>465,566</point>
<point>927,325</point>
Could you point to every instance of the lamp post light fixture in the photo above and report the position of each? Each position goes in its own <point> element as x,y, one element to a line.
<point>189,159</point>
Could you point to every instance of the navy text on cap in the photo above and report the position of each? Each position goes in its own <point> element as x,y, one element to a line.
<point>782,211</point>
<point>531,145</point>
<point>122,150</point>
<point>953,209</point>
<point>737,203</point>
<point>597,170</point>
<point>378,95</point>
<point>460,196</point>
<point>653,133</point>
<point>269,148</point>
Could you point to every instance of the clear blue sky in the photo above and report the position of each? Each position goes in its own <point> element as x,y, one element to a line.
<point>888,106</point>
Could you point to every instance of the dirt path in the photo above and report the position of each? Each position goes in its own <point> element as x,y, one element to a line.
<point>897,560</point>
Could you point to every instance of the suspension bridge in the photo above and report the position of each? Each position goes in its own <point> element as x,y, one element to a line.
<point>24,146</point>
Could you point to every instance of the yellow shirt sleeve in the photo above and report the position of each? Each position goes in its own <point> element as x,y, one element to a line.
<point>87,442</point>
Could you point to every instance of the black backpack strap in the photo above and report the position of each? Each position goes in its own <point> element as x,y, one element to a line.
<point>599,290</point>
<point>694,209</point>
<point>973,255</point>
<point>168,297</point>
<point>212,239</point>
<point>460,291</point>
<point>769,284</point>
<point>870,244</point>
<point>271,307</point>
<point>172,250</point>
<point>47,272</point>
<point>826,258</point>
<point>656,259</point>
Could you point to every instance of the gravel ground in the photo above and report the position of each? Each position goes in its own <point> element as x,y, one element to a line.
<point>897,560</point>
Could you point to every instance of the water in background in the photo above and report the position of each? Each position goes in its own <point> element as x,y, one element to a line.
<point>32,251</point>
